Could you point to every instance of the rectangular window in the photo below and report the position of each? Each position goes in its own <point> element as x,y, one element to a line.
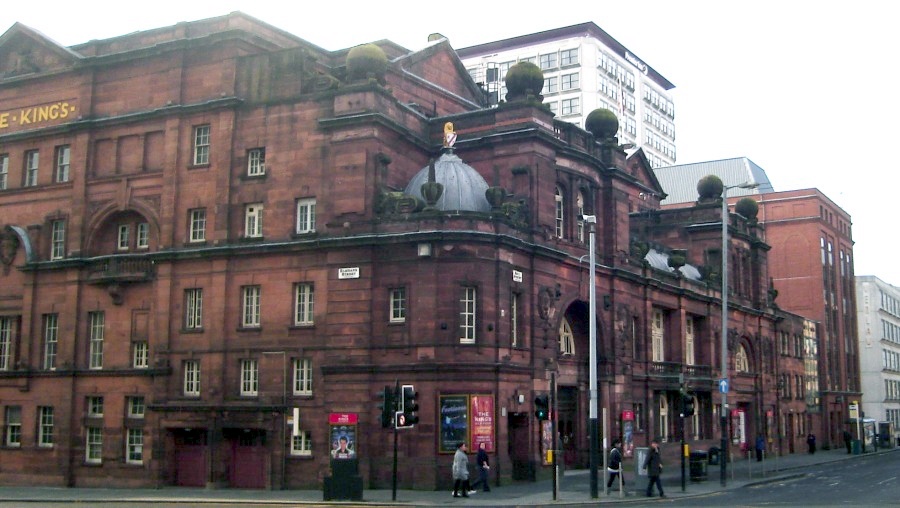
<point>249,378</point>
<point>192,378</point>
<point>140,355</point>
<point>198,225</point>
<point>551,85</point>
<point>193,309</point>
<point>302,376</point>
<point>201,145</point>
<point>96,322</point>
<point>124,233</point>
<point>61,171</point>
<point>548,61</point>
<point>6,331</point>
<point>256,162</point>
<point>301,444</point>
<point>136,407</point>
<point>554,106</point>
<point>253,220</point>
<point>398,305</point>
<point>568,57</point>
<point>4,171</point>
<point>13,434</point>
<point>569,81</point>
<point>51,340</point>
<point>657,334</point>
<point>143,235</point>
<point>250,306</point>
<point>93,453</point>
<point>304,304</point>
<point>689,341</point>
<point>57,239</point>
<point>32,160</point>
<point>571,106</point>
<point>134,453</point>
<point>467,315</point>
<point>95,406</point>
<point>306,216</point>
<point>45,426</point>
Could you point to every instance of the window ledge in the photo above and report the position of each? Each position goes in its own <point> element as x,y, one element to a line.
<point>198,166</point>
<point>250,329</point>
<point>250,178</point>
<point>192,330</point>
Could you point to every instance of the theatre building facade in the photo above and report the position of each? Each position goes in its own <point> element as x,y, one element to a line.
<point>220,241</point>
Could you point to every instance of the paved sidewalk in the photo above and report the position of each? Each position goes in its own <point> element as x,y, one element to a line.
<point>574,490</point>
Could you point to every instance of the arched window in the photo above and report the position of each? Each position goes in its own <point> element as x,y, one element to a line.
<point>741,360</point>
<point>560,213</point>
<point>566,338</point>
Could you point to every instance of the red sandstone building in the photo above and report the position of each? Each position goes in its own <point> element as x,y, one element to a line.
<point>220,241</point>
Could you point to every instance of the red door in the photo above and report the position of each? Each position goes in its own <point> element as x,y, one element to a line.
<point>248,460</point>
<point>190,458</point>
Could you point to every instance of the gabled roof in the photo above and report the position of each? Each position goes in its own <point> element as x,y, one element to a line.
<point>25,51</point>
<point>680,182</point>
<point>637,164</point>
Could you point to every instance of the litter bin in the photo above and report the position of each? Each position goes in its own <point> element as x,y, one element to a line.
<point>713,456</point>
<point>856,446</point>
<point>698,459</point>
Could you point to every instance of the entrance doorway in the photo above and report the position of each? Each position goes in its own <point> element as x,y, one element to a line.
<point>189,464</point>
<point>523,467</point>
<point>568,427</point>
<point>247,460</point>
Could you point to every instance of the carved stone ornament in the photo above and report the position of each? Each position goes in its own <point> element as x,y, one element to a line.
<point>9,244</point>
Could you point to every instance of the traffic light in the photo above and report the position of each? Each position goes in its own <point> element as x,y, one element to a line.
<point>407,415</point>
<point>687,405</point>
<point>388,406</point>
<point>542,407</point>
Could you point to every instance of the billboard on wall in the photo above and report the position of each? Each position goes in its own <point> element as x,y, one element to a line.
<point>466,419</point>
<point>454,422</point>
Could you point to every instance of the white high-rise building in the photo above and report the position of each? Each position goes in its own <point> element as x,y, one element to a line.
<point>586,69</point>
<point>878,315</point>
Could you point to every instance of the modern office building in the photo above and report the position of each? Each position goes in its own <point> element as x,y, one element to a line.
<point>586,69</point>
<point>810,267</point>
<point>878,315</point>
<point>220,242</point>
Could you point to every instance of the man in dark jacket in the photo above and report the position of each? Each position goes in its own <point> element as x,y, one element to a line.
<point>653,464</point>
<point>481,460</point>
<point>614,467</point>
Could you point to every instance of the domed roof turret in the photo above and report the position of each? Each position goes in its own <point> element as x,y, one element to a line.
<point>464,188</point>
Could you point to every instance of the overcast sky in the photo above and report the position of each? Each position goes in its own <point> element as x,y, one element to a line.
<point>802,88</point>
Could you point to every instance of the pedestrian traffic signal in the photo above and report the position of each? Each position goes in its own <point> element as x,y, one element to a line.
<point>542,407</point>
<point>687,405</point>
<point>408,407</point>
<point>388,406</point>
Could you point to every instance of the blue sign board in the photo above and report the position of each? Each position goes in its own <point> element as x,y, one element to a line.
<point>723,386</point>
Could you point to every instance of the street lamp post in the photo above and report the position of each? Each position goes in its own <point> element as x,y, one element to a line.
<point>723,388</point>
<point>592,339</point>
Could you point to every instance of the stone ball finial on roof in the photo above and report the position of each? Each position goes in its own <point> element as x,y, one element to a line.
<point>602,123</point>
<point>748,207</point>
<point>710,187</point>
<point>524,79</point>
<point>366,60</point>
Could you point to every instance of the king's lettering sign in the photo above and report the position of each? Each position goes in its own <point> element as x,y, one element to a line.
<point>37,116</point>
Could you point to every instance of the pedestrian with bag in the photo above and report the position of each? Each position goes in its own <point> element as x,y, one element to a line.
<point>481,462</point>
<point>614,467</point>
<point>461,471</point>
